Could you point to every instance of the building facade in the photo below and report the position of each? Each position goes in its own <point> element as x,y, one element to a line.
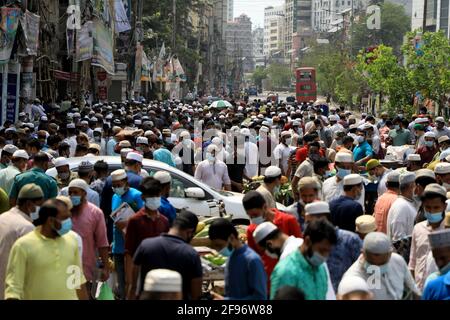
<point>328,15</point>
<point>274,18</point>
<point>298,23</point>
<point>230,10</point>
<point>258,47</point>
<point>424,17</point>
<point>239,42</point>
<point>443,16</point>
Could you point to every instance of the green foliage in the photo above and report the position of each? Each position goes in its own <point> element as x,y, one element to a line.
<point>259,75</point>
<point>394,24</point>
<point>280,75</point>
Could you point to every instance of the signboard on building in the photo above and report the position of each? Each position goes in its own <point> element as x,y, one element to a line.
<point>10,75</point>
<point>103,47</point>
<point>30,25</point>
<point>9,22</point>
<point>102,85</point>
<point>85,42</point>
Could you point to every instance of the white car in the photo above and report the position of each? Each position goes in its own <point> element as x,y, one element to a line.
<point>186,192</point>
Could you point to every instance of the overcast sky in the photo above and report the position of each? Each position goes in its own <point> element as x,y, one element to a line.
<point>254,9</point>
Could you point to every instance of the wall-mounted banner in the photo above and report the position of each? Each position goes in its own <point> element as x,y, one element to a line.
<point>85,42</point>
<point>122,22</point>
<point>30,25</point>
<point>103,47</point>
<point>10,18</point>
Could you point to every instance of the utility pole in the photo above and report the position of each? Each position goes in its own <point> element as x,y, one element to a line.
<point>174,31</point>
<point>425,9</point>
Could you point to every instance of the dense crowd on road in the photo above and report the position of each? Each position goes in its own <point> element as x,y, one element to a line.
<point>339,205</point>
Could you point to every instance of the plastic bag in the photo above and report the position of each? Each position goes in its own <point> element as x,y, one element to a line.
<point>104,292</point>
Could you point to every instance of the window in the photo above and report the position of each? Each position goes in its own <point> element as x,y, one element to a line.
<point>178,184</point>
<point>343,2</point>
<point>348,3</point>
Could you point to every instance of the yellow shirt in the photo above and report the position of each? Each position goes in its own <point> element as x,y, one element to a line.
<point>41,268</point>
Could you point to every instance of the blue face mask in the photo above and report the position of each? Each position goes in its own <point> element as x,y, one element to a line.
<point>341,173</point>
<point>383,268</point>
<point>76,200</point>
<point>66,226</point>
<point>433,217</point>
<point>226,252</point>
<point>316,259</point>
<point>258,220</point>
<point>429,144</point>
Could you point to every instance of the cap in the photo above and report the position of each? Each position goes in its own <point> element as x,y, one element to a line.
<point>351,284</point>
<point>30,191</point>
<point>352,179</point>
<point>377,242</point>
<point>413,157</point>
<point>118,175</point>
<point>439,239</point>
<point>70,126</point>
<point>442,168</point>
<point>372,164</point>
<point>393,176</point>
<point>443,139</point>
<point>434,188</point>
<point>21,154</point>
<point>80,184</point>
<point>407,177</point>
<point>272,172</point>
<point>343,157</point>
<point>95,146</point>
<point>245,132</point>
<point>85,166</point>
<point>61,161</point>
<point>163,177</point>
<point>135,156</point>
<point>9,148</point>
<point>142,140</point>
<point>285,133</point>
<point>425,173</point>
<point>318,207</point>
<point>439,119</point>
<point>263,230</point>
<point>66,200</point>
<point>163,280</point>
<point>125,144</point>
<point>308,183</point>
<point>429,134</point>
<point>365,224</point>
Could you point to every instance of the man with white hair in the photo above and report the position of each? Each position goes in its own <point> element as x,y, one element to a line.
<point>385,272</point>
<point>402,215</point>
<point>212,171</point>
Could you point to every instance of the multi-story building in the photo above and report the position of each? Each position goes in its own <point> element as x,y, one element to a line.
<point>443,16</point>
<point>239,42</point>
<point>407,4</point>
<point>273,30</point>
<point>298,23</point>
<point>230,14</point>
<point>217,45</point>
<point>328,15</point>
<point>258,47</point>
<point>426,17</point>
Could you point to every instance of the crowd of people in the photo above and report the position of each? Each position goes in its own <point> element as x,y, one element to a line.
<point>367,217</point>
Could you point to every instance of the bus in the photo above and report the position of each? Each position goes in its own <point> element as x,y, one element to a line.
<point>306,87</point>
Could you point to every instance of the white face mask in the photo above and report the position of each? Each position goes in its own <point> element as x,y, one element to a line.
<point>153,203</point>
<point>35,214</point>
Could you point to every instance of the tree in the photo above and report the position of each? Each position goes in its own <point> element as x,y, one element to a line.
<point>428,64</point>
<point>259,75</point>
<point>280,75</point>
<point>394,24</point>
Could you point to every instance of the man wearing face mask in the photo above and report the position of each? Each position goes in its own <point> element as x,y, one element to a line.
<point>133,163</point>
<point>17,166</point>
<point>165,208</point>
<point>142,146</point>
<point>64,174</point>
<point>148,222</point>
<point>400,135</point>
<point>441,130</point>
<point>35,175</point>
<point>133,197</point>
<point>384,269</point>
<point>442,171</point>
<point>89,222</point>
<point>6,155</point>
<point>434,205</point>
<point>363,152</point>
<point>245,278</point>
<point>429,149</point>
<point>271,185</point>
<point>306,169</point>
<point>305,267</point>
<point>212,171</point>
<point>172,251</point>
<point>424,177</point>
<point>85,173</point>
<point>283,150</point>
<point>308,190</point>
<point>258,212</point>
<point>437,287</point>
<point>380,173</point>
<point>98,139</point>
<point>17,222</point>
<point>333,187</point>
<point>30,276</point>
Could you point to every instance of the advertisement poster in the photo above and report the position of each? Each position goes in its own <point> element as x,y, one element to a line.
<point>102,85</point>
<point>11,102</point>
<point>103,47</point>
<point>30,24</point>
<point>10,18</point>
<point>28,85</point>
<point>85,42</point>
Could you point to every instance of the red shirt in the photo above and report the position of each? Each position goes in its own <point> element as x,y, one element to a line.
<point>302,153</point>
<point>287,223</point>
<point>426,154</point>
<point>141,226</point>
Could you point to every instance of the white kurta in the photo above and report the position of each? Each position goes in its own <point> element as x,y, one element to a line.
<point>251,159</point>
<point>401,218</point>
<point>332,190</point>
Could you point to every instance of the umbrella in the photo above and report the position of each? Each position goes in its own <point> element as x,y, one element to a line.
<point>221,104</point>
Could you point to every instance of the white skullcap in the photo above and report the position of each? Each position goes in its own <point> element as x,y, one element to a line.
<point>272,172</point>
<point>351,284</point>
<point>185,135</point>
<point>125,144</point>
<point>211,148</point>
<point>216,141</point>
<point>264,129</point>
<point>413,157</point>
<point>263,230</point>
<point>377,243</point>
<point>365,224</point>
<point>407,177</point>
<point>285,133</point>
<point>118,175</point>
<point>266,123</point>
<point>295,123</point>
<point>439,239</point>
<point>71,126</point>
<point>61,161</point>
<point>124,152</point>
<point>80,184</point>
<point>9,148</point>
<point>442,168</point>
<point>84,122</point>
<point>352,179</point>
<point>163,177</point>
<point>425,173</point>
<point>21,154</point>
<point>142,140</point>
<point>234,129</point>
<point>333,117</point>
<point>440,119</point>
<point>429,134</point>
<point>343,157</point>
<point>135,156</point>
<point>319,207</point>
<point>163,280</point>
<point>245,132</point>
<point>393,176</point>
<point>435,188</point>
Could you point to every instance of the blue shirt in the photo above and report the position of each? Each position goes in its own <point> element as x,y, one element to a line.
<point>164,155</point>
<point>362,150</point>
<point>343,255</point>
<point>438,289</point>
<point>134,199</point>
<point>110,148</point>
<point>168,210</point>
<point>245,278</point>
<point>344,211</point>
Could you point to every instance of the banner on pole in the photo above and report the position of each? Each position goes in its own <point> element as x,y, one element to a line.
<point>30,25</point>
<point>121,18</point>
<point>103,47</point>
<point>85,42</point>
<point>10,18</point>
